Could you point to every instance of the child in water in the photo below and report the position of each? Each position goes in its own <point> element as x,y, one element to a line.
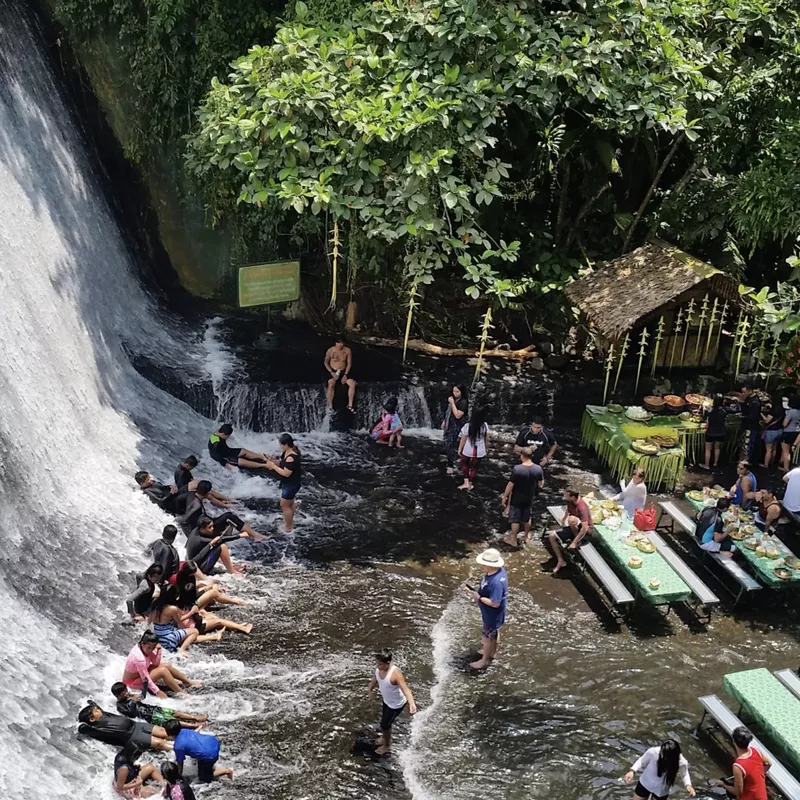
<point>389,429</point>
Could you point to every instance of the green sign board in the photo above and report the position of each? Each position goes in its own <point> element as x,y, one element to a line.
<point>262,284</point>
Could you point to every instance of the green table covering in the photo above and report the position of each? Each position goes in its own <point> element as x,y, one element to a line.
<point>602,430</point>
<point>672,588</point>
<point>763,567</point>
<point>775,708</point>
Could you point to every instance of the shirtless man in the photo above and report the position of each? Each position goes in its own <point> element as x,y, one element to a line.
<point>338,363</point>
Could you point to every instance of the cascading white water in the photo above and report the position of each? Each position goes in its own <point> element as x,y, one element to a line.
<point>73,414</point>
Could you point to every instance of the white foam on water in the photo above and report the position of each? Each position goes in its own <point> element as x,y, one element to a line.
<point>413,757</point>
<point>219,361</point>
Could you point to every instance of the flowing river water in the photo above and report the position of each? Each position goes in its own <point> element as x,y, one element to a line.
<point>382,544</point>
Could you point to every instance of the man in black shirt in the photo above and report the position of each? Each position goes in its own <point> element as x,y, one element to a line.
<point>540,440</point>
<point>183,472</point>
<point>750,427</point>
<point>118,731</point>
<point>230,457</point>
<point>132,705</point>
<point>200,499</point>
<point>165,497</point>
<point>164,552</point>
<point>206,547</point>
<point>522,487</point>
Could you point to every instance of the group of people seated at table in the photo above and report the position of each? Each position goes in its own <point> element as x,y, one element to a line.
<point>711,529</point>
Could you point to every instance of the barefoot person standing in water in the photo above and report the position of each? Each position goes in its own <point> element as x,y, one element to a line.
<point>395,695</point>
<point>338,363</point>
<point>492,597</point>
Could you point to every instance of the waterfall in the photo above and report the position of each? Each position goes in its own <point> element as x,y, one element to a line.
<point>75,421</point>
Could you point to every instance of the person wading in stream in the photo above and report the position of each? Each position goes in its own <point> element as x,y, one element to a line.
<point>521,490</point>
<point>395,695</point>
<point>492,598</point>
<point>338,364</point>
<point>290,471</point>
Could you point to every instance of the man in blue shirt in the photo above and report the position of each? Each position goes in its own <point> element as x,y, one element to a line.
<point>492,597</point>
<point>203,747</point>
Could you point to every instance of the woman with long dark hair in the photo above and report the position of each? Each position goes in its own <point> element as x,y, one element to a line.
<point>659,767</point>
<point>187,601</point>
<point>457,408</point>
<point>791,432</point>
<point>290,471</point>
<point>176,787</point>
<point>166,618</point>
<point>472,446</point>
<point>144,670</point>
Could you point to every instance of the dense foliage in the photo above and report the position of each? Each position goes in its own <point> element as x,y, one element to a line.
<point>505,145</point>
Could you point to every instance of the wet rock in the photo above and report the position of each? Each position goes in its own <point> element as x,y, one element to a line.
<point>557,362</point>
<point>545,348</point>
<point>536,363</point>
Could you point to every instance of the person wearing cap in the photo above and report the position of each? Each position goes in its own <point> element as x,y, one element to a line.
<point>395,695</point>
<point>492,598</point>
<point>230,457</point>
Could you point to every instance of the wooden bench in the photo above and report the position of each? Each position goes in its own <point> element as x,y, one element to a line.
<point>705,597</point>
<point>606,577</point>
<point>790,680</point>
<point>745,581</point>
<point>725,719</point>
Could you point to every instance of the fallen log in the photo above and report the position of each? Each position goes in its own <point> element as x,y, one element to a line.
<point>435,350</point>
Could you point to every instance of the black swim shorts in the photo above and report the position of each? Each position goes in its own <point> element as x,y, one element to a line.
<point>142,735</point>
<point>389,715</point>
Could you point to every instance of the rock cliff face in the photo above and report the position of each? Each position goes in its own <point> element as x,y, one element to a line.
<point>200,255</point>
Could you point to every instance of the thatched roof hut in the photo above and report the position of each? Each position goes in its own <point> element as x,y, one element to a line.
<point>654,279</point>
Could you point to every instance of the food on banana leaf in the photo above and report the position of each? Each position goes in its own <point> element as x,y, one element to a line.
<point>717,493</point>
<point>761,550</point>
<point>645,448</point>
<point>615,408</point>
<point>697,399</point>
<point>636,430</point>
<point>597,515</point>
<point>654,582</point>
<point>793,562</point>
<point>783,573</point>
<point>635,562</point>
<point>646,546</point>
<point>663,441</point>
<point>612,522</point>
<point>751,544</point>
<point>612,504</point>
<point>637,412</point>
<point>674,401</point>
<point>685,416</point>
<point>696,495</point>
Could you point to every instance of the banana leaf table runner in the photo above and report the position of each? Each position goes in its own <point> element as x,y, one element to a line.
<point>672,589</point>
<point>762,566</point>
<point>771,704</point>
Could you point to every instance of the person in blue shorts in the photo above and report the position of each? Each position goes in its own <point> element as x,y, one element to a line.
<point>492,598</point>
<point>202,747</point>
<point>290,471</point>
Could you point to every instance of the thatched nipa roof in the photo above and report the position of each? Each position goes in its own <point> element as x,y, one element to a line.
<point>630,289</point>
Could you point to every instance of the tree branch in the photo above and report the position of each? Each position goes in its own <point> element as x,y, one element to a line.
<point>656,178</point>
<point>585,209</point>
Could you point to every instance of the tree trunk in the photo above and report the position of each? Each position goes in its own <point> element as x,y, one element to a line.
<point>585,209</point>
<point>435,350</point>
<point>562,200</point>
<point>640,211</point>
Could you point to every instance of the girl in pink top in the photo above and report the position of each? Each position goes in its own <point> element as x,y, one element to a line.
<point>143,667</point>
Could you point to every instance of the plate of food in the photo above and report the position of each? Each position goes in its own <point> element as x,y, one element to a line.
<point>783,573</point>
<point>635,562</point>
<point>637,412</point>
<point>613,505</point>
<point>761,550</point>
<point>717,493</point>
<point>698,400</point>
<point>751,543</point>
<point>685,416</point>
<point>696,495</point>
<point>613,522</point>
<point>793,562</point>
<point>644,447</point>
<point>663,441</point>
<point>737,535</point>
<point>674,401</point>
<point>615,408</point>
<point>749,529</point>
<point>746,516</point>
<point>646,546</point>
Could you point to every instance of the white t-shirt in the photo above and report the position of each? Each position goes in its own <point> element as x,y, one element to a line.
<point>791,500</point>
<point>479,451</point>
<point>633,497</point>
<point>654,783</point>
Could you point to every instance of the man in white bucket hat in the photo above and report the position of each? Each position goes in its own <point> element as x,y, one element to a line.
<point>491,596</point>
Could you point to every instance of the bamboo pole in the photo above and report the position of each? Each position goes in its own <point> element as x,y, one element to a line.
<point>736,334</point>
<point>689,318</point>
<point>659,337</point>
<point>711,322</point>
<point>609,367</point>
<point>622,353</point>
<point>703,315</point>
<point>485,328</point>
<point>335,255</point>
<point>642,351</point>
<point>742,340</point>
<point>675,334</point>
<point>723,318</point>
<point>772,362</point>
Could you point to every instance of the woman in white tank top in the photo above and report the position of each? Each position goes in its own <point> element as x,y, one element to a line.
<point>395,695</point>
